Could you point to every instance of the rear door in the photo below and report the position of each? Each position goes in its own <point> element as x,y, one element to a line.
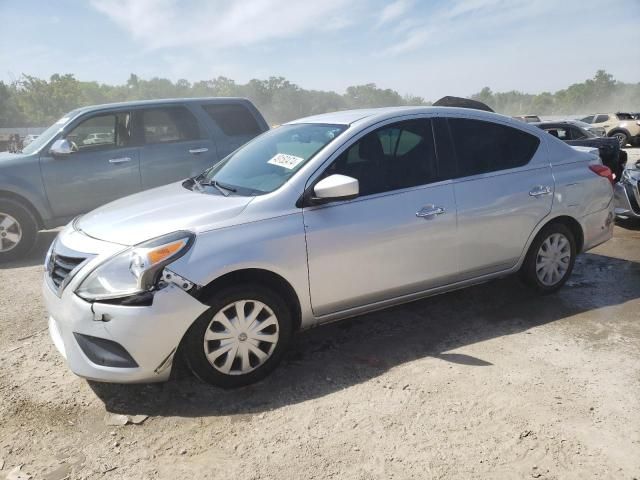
<point>397,237</point>
<point>173,145</point>
<point>104,166</point>
<point>503,190</point>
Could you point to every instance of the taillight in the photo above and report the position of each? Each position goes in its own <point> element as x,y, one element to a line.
<point>603,172</point>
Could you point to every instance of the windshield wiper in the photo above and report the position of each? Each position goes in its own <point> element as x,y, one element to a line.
<point>226,190</point>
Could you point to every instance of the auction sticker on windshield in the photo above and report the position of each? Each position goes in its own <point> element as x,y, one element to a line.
<point>287,161</point>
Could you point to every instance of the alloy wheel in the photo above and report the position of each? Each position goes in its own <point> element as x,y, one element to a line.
<point>10,232</point>
<point>241,337</point>
<point>621,137</point>
<point>553,259</point>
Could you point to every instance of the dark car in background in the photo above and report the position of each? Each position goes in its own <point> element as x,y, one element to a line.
<point>97,154</point>
<point>610,152</point>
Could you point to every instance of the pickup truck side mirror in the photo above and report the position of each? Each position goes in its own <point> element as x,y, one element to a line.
<point>62,147</point>
<point>335,187</point>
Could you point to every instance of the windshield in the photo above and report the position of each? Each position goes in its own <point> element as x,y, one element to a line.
<point>266,163</point>
<point>47,135</point>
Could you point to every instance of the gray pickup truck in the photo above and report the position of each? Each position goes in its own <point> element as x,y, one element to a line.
<point>96,154</point>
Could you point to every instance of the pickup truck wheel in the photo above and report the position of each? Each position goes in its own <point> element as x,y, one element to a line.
<point>622,138</point>
<point>18,230</point>
<point>241,338</point>
<point>550,258</point>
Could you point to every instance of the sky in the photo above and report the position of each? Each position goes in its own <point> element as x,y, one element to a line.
<point>428,48</point>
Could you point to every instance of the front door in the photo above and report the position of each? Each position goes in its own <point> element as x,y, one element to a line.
<point>103,167</point>
<point>397,237</point>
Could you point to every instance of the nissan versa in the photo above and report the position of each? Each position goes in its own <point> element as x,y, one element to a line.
<point>320,219</point>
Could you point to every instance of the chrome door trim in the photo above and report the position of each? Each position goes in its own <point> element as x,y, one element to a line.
<point>196,151</point>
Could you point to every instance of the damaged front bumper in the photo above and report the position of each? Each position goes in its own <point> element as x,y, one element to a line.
<point>627,195</point>
<point>116,342</point>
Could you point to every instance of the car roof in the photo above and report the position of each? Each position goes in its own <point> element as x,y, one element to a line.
<point>373,115</point>
<point>162,101</point>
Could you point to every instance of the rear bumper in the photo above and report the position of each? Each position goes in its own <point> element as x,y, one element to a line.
<point>598,227</point>
<point>627,200</point>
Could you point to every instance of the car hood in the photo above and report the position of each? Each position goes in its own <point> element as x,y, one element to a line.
<point>134,219</point>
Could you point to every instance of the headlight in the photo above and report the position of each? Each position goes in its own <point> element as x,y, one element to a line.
<point>136,269</point>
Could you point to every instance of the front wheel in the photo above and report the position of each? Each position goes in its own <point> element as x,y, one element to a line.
<point>241,338</point>
<point>550,258</point>
<point>18,230</point>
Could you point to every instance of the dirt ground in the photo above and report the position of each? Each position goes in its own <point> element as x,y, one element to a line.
<point>488,382</point>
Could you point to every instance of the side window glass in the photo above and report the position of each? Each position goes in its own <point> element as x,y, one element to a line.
<point>233,119</point>
<point>102,132</point>
<point>399,156</point>
<point>588,119</point>
<point>576,134</point>
<point>170,124</point>
<point>483,147</point>
<point>558,132</point>
<point>601,118</point>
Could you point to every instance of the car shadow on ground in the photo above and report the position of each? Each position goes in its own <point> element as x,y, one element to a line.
<point>37,254</point>
<point>628,224</point>
<point>334,357</point>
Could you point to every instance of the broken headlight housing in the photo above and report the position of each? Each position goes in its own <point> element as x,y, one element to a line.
<point>135,270</point>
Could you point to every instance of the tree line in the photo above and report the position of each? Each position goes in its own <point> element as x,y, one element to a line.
<point>34,102</point>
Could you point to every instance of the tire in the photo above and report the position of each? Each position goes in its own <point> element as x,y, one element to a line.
<point>233,368</point>
<point>622,138</point>
<point>543,279</point>
<point>18,230</point>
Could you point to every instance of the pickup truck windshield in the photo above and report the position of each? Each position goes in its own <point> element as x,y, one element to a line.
<point>48,134</point>
<point>266,163</point>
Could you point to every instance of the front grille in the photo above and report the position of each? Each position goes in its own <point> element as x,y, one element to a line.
<point>633,195</point>
<point>61,267</point>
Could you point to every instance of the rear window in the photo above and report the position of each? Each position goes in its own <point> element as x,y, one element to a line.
<point>483,147</point>
<point>624,116</point>
<point>233,119</point>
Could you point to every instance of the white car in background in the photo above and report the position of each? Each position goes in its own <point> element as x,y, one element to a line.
<point>98,138</point>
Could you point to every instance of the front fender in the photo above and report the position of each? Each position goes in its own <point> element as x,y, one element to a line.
<point>29,189</point>
<point>276,245</point>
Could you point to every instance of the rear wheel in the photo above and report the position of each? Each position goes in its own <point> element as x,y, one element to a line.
<point>622,138</point>
<point>550,259</point>
<point>18,230</point>
<point>241,338</point>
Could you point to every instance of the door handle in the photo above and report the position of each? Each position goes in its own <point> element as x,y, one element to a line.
<point>120,160</point>
<point>196,151</point>
<point>540,190</point>
<point>429,212</point>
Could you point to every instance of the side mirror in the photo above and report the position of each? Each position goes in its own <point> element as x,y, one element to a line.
<point>335,187</point>
<point>62,147</point>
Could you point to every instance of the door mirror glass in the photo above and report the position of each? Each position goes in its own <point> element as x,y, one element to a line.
<point>336,187</point>
<point>62,147</point>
